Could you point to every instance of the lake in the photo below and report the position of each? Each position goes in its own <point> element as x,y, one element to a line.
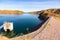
<point>21,23</point>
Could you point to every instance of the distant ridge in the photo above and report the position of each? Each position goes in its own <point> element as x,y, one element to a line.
<point>50,11</point>
<point>10,12</point>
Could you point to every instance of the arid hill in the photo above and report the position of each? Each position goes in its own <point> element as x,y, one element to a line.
<point>50,11</point>
<point>10,12</point>
<point>47,13</point>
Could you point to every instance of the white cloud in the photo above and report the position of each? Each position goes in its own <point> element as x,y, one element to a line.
<point>29,6</point>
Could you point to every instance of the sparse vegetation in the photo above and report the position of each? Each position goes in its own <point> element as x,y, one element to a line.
<point>9,35</point>
<point>49,11</point>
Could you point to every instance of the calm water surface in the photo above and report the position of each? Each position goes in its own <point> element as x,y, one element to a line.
<point>22,22</point>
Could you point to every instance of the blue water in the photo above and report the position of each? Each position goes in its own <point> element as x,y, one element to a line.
<point>21,22</point>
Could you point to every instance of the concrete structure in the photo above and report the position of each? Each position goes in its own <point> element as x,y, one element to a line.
<point>8,26</point>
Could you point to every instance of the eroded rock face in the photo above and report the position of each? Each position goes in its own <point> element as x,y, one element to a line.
<point>57,11</point>
<point>43,16</point>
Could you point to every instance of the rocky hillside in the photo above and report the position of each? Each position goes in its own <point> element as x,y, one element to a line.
<point>50,11</point>
<point>10,12</point>
<point>43,14</point>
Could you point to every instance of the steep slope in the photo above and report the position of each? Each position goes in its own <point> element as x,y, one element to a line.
<point>49,11</point>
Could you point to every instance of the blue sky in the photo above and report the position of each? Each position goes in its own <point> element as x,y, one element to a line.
<point>28,5</point>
